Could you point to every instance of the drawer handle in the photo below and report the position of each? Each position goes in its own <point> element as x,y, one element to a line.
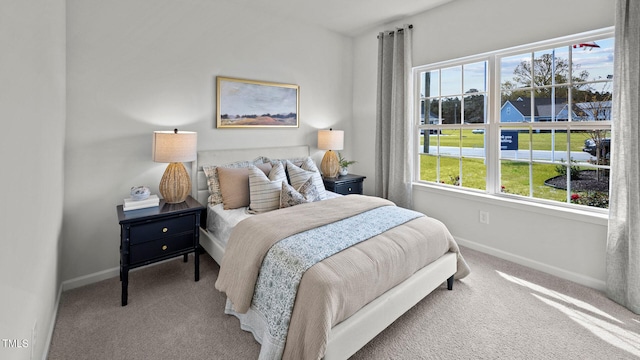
<point>164,247</point>
<point>164,230</point>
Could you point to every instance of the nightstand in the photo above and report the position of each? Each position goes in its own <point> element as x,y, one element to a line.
<point>158,233</point>
<point>347,184</point>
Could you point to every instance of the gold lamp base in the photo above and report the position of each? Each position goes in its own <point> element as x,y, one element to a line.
<point>330,165</point>
<point>175,184</point>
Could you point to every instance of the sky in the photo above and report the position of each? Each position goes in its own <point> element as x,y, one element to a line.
<point>598,61</point>
<point>239,98</point>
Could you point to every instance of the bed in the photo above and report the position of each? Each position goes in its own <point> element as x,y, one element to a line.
<point>347,335</point>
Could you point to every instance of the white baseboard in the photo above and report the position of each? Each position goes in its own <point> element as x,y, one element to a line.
<point>549,269</point>
<point>104,275</point>
<point>52,324</point>
<point>90,279</point>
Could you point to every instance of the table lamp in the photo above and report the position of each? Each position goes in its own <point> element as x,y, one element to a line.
<point>330,140</point>
<point>175,147</point>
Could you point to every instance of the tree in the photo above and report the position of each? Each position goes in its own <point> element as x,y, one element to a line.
<point>451,110</point>
<point>546,70</point>
<point>474,107</point>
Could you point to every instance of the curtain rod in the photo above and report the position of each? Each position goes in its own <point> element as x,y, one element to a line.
<point>391,32</point>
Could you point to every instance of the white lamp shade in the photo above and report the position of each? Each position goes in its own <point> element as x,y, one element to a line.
<point>330,139</point>
<point>174,146</point>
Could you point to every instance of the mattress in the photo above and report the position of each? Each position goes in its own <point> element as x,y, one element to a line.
<point>220,222</point>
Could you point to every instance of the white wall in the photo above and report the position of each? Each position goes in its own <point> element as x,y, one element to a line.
<point>572,246</point>
<point>145,65</point>
<point>32,111</point>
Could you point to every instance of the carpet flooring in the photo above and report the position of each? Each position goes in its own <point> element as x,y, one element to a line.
<point>500,311</point>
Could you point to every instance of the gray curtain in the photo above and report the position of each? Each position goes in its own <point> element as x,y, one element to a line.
<point>623,240</point>
<point>393,125</point>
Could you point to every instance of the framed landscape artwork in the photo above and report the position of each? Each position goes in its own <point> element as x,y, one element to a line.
<point>250,104</point>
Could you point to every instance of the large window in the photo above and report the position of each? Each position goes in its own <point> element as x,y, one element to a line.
<point>532,122</point>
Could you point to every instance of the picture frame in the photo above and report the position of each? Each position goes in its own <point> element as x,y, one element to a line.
<point>244,103</point>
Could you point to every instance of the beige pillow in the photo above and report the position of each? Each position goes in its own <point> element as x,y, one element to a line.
<point>210,171</point>
<point>234,185</point>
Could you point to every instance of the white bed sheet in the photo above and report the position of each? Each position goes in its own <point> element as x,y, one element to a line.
<point>220,222</point>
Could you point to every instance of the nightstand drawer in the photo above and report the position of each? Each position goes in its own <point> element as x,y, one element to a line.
<point>160,247</point>
<point>162,228</point>
<point>349,188</point>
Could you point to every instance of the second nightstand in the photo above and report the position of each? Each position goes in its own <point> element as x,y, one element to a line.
<point>153,234</point>
<point>345,185</point>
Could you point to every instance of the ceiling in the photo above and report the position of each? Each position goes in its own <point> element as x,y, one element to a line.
<point>348,17</point>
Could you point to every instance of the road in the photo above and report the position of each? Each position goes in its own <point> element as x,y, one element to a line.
<point>544,155</point>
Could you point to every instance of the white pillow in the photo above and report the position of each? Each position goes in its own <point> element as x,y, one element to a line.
<point>299,175</point>
<point>264,192</point>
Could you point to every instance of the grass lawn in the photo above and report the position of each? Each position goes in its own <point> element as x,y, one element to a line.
<point>519,178</point>
<point>474,172</point>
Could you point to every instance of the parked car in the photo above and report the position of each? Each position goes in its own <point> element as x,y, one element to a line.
<point>590,147</point>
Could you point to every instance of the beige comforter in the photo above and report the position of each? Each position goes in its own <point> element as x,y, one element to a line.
<point>337,287</point>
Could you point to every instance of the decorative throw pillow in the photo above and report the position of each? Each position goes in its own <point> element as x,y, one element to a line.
<point>295,161</point>
<point>264,192</point>
<point>308,170</point>
<point>309,191</point>
<point>210,171</point>
<point>289,196</point>
<point>234,185</point>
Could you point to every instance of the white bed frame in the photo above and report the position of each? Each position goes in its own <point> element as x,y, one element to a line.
<point>353,333</point>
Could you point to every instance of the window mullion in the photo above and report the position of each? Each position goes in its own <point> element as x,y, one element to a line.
<point>492,149</point>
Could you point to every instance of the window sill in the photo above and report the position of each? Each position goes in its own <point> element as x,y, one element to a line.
<point>596,216</point>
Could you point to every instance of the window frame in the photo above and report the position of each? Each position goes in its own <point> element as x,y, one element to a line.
<point>492,126</point>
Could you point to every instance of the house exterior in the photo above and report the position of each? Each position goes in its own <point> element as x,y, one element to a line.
<point>545,109</point>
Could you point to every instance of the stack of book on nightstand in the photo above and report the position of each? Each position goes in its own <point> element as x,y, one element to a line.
<point>131,204</point>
